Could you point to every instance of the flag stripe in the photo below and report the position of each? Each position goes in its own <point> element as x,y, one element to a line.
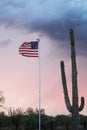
<point>28,55</point>
<point>27,50</point>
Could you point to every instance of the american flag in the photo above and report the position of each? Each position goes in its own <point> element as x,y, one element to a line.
<point>29,49</point>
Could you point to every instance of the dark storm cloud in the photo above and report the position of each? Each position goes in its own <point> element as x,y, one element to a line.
<point>49,18</point>
<point>59,27</point>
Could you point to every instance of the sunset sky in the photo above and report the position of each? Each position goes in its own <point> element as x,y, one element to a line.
<point>49,21</point>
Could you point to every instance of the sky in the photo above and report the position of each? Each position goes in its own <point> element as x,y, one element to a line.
<point>49,21</point>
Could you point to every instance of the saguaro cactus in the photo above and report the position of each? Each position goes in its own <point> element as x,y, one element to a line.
<point>74,108</point>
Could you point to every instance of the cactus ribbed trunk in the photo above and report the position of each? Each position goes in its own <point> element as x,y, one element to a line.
<point>74,108</point>
<point>75,112</point>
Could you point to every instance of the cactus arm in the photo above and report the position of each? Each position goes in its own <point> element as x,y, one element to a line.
<point>82,104</point>
<point>67,101</point>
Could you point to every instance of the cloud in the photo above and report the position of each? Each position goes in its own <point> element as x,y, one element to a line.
<point>49,18</point>
<point>4,43</point>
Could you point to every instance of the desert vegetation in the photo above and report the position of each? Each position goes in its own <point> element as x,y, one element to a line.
<point>28,120</point>
<point>16,119</point>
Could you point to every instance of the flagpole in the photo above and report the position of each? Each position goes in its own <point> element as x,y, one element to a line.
<point>39,83</point>
<point>24,50</point>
